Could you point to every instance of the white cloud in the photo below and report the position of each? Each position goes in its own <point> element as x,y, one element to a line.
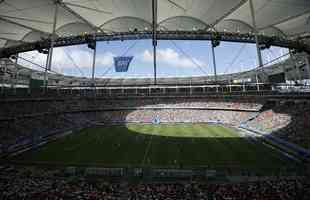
<point>106,59</point>
<point>171,57</point>
<point>61,59</point>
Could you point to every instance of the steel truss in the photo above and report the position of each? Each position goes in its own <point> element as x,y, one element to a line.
<point>160,35</point>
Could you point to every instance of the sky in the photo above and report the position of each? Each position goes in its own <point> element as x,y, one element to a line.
<point>174,58</point>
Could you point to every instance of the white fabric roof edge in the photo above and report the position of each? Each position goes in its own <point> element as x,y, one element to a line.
<point>29,21</point>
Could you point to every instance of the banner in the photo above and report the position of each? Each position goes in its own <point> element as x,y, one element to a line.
<point>156,120</point>
<point>122,63</point>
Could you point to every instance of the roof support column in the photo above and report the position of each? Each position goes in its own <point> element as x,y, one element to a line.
<point>284,71</point>
<point>3,63</point>
<point>296,72</point>
<point>243,87</point>
<point>94,64</point>
<point>45,72</point>
<point>2,82</point>
<point>16,75</point>
<point>154,63</point>
<point>50,52</point>
<point>307,67</point>
<point>259,54</point>
<point>154,38</point>
<point>214,62</point>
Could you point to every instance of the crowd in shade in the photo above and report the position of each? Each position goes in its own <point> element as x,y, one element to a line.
<point>42,184</point>
<point>29,129</point>
<point>34,107</point>
<point>38,184</point>
<point>28,121</point>
<point>286,120</point>
<point>269,121</point>
<point>24,121</point>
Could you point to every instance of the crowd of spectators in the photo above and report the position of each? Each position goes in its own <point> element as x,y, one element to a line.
<point>264,190</point>
<point>42,184</point>
<point>175,116</point>
<point>26,129</point>
<point>22,108</point>
<point>187,103</point>
<point>298,130</point>
<point>286,120</point>
<point>269,121</point>
<point>23,131</point>
<point>38,184</point>
<point>24,121</point>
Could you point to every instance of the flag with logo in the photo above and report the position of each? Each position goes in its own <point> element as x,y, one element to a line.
<point>122,63</point>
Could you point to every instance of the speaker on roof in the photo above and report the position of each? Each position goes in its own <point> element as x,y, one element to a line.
<point>13,57</point>
<point>91,43</point>
<point>215,43</point>
<point>216,39</point>
<point>39,48</point>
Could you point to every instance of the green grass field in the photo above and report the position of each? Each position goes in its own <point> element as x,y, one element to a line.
<point>175,145</point>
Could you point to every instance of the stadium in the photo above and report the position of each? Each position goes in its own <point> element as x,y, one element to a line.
<point>155,99</point>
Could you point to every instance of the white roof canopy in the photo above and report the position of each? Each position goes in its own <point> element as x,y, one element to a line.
<point>32,20</point>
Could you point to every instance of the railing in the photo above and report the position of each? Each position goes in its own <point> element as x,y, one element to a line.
<point>219,90</point>
<point>161,35</point>
<point>160,90</point>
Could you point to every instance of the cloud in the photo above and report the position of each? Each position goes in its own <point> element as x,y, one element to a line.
<point>170,57</point>
<point>106,59</point>
<point>64,58</point>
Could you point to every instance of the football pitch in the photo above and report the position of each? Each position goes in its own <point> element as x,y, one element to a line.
<point>162,145</point>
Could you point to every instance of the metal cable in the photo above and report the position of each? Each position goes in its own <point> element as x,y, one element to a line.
<point>74,63</point>
<point>235,58</point>
<point>123,54</point>
<point>189,57</point>
<point>19,57</point>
